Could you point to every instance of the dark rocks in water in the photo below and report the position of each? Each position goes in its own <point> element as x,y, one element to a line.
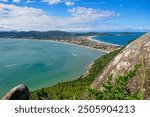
<point>20,92</point>
<point>130,56</point>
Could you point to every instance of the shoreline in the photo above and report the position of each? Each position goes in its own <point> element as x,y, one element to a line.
<point>88,67</point>
<point>61,42</point>
<point>53,41</point>
<point>84,73</point>
<point>85,41</point>
<point>91,38</point>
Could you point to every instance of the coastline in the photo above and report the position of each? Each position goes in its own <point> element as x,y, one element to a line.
<point>88,67</point>
<point>84,41</point>
<point>91,38</point>
<point>62,42</point>
<point>54,41</point>
<point>47,41</point>
<point>92,44</point>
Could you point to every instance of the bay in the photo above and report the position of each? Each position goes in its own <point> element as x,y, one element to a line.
<point>39,64</point>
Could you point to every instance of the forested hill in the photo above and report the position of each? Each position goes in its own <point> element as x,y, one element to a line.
<point>33,34</point>
<point>48,34</point>
<point>53,34</point>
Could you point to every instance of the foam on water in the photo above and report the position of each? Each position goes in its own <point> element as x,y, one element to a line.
<point>10,65</point>
<point>74,54</point>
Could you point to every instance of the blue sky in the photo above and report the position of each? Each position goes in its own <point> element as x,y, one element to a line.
<point>75,15</point>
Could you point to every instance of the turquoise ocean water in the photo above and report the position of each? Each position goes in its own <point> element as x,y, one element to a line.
<point>121,39</point>
<point>39,64</point>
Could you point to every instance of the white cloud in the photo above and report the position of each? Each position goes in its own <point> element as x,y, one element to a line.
<point>14,17</point>
<point>89,14</point>
<point>3,0</point>
<point>30,1</point>
<point>69,3</point>
<point>16,1</point>
<point>52,1</point>
<point>16,11</point>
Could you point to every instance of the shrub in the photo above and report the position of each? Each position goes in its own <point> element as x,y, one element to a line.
<point>117,90</point>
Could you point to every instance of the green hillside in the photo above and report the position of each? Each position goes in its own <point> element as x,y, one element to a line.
<point>73,89</point>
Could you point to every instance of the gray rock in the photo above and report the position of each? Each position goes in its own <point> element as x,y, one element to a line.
<point>130,56</point>
<point>20,92</point>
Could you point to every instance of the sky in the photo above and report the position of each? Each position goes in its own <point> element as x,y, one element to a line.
<point>75,15</point>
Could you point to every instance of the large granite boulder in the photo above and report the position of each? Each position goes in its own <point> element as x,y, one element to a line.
<point>20,92</point>
<point>130,56</point>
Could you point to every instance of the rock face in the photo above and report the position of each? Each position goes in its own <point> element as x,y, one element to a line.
<point>130,56</point>
<point>19,92</point>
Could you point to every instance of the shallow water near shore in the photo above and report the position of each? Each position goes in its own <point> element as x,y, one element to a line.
<point>39,64</point>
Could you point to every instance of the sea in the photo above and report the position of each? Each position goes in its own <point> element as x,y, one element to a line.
<point>118,38</point>
<point>40,64</point>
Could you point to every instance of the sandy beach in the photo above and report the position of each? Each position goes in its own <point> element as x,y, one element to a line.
<point>86,42</point>
<point>91,38</point>
<point>54,41</point>
<point>89,42</point>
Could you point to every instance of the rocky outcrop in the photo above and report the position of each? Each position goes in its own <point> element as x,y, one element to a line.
<point>130,56</point>
<point>20,92</point>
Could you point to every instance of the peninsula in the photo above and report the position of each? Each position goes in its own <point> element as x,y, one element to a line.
<point>81,39</point>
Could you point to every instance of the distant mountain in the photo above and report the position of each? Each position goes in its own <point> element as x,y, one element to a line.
<point>52,34</point>
<point>33,34</point>
<point>48,34</point>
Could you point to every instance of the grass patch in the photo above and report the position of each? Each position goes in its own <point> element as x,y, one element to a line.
<point>73,89</point>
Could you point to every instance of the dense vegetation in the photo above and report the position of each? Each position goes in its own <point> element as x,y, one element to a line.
<point>117,90</point>
<point>35,34</point>
<point>53,34</point>
<point>74,89</point>
<point>47,34</point>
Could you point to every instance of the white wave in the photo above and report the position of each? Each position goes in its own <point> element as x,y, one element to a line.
<point>10,65</point>
<point>74,54</point>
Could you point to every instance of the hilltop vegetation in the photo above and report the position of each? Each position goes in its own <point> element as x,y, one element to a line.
<point>44,35</point>
<point>74,89</point>
<point>54,34</point>
<point>34,34</point>
<point>116,90</point>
